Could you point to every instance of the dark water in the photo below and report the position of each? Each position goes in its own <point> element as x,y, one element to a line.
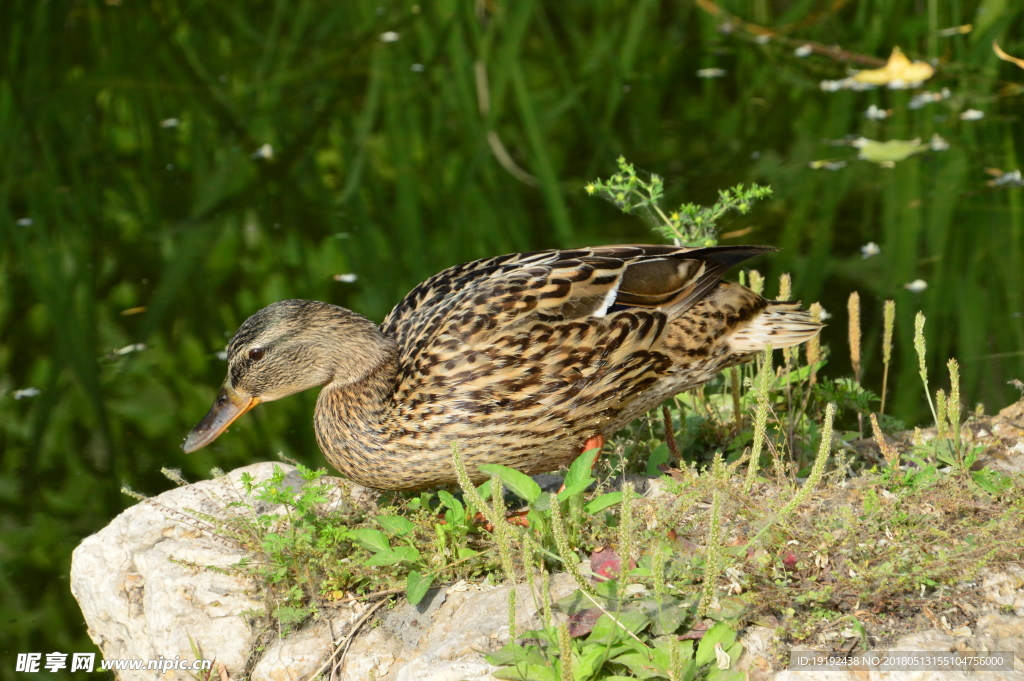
<point>202,159</point>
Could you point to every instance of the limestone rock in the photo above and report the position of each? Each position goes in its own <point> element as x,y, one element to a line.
<point>142,584</point>
<point>144,589</point>
<point>1005,587</point>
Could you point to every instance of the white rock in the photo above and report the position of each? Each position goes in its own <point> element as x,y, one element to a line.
<point>142,597</point>
<point>142,588</point>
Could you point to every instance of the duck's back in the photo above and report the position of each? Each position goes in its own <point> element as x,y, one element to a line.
<point>522,357</point>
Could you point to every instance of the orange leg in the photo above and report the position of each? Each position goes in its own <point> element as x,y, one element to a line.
<point>518,517</point>
<point>513,518</point>
<point>593,442</point>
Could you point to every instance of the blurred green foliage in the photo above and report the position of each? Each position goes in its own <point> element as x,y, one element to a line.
<point>202,159</point>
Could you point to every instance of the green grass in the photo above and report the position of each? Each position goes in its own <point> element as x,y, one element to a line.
<point>388,172</point>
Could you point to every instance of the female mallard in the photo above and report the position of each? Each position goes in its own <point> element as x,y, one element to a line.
<point>520,359</point>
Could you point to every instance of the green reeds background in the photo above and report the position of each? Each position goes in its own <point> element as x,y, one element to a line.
<point>403,138</point>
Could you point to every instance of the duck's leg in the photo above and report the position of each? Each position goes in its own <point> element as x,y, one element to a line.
<point>519,517</point>
<point>593,442</point>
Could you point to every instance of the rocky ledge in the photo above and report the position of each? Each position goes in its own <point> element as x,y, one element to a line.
<point>154,584</point>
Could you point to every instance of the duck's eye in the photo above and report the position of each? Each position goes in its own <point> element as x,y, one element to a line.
<point>256,354</point>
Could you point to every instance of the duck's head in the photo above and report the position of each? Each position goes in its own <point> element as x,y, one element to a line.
<point>285,348</point>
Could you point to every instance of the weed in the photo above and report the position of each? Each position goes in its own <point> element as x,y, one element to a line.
<point>690,225</point>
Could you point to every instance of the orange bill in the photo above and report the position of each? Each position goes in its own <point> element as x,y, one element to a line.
<point>229,405</point>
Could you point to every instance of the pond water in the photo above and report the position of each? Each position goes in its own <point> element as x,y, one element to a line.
<point>170,167</point>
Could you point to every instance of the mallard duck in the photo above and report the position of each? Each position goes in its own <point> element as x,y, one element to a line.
<point>521,359</point>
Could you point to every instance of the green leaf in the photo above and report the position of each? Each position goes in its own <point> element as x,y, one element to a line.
<point>719,633</point>
<point>798,375</point>
<point>574,602</point>
<point>385,557</point>
<point>527,672</point>
<point>643,666</point>
<point>448,500</point>
<point>416,586</point>
<point>543,502</point>
<point>522,485</point>
<point>407,553</point>
<point>731,608</point>
<point>581,468</point>
<point>667,615</point>
<point>458,511</point>
<point>607,630</point>
<point>484,490</point>
<point>288,614</point>
<point>393,556</point>
<point>657,457</point>
<point>731,674</point>
<point>395,525</point>
<point>593,656</point>
<point>602,502</point>
<point>368,538</point>
<point>577,488</point>
<point>512,653</point>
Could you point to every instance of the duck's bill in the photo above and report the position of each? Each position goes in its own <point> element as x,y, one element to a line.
<point>229,405</point>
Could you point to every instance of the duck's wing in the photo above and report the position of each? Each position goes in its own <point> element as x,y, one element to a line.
<point>484,299</point>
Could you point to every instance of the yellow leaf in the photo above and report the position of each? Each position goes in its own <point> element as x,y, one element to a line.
<point>1005,57</point>
<point>898,69</point>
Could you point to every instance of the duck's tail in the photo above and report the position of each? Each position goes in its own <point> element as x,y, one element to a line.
<point>781,325</point>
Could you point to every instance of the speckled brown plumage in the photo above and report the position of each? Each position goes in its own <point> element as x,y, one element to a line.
<point>518,358</point>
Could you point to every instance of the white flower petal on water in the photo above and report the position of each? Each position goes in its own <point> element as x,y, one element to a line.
<point>876,114</point>
<point>711,73</point>
<point>266,151</point>
<point>846,84</point>
<point>803,51</point>
<point>869,250</point>
<point>827,165</point>
<point>24,222</point>
<point>129,349</point>
<point>972,115</point>
<point>937,143</point>
<point>916,286</point>
<point>1010,179</point>
<point>170,123</point>
<point>389,37</point>
<point>348,278</point>
<point>26,392</point>
<point>919,100</point>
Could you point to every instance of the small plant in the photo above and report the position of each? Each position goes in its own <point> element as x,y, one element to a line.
<point>690,225</point>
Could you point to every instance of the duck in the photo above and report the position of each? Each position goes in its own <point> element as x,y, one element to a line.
<point>523,359</point>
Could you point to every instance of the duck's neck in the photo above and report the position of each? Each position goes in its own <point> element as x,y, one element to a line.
<point>351,415</point>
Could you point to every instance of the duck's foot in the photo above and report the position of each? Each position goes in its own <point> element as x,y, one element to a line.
<point>513,518</point>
